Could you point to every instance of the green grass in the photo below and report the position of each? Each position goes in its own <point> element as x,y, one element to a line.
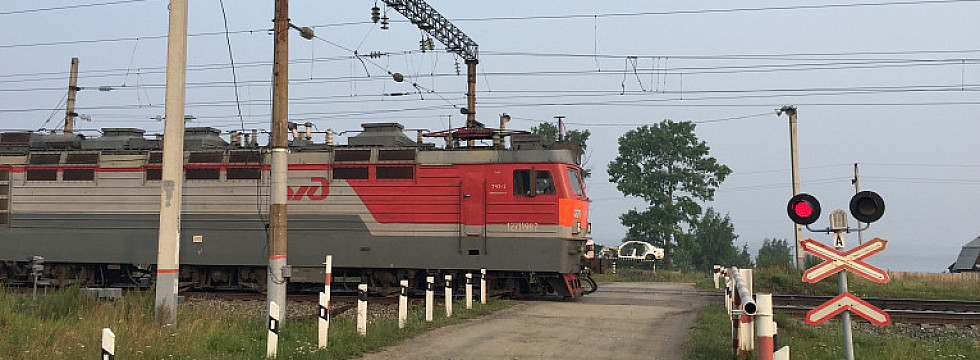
<point>789,281</point>
<point>67,324</point>
<point>711,339</point>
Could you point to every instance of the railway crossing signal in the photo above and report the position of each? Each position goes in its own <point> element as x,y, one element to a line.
<point>846,301</point>
<point>866,207</point>
<point>803,209</point>
<point>835,261</point>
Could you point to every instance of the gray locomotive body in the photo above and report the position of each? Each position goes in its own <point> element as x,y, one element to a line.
<point>384,206</point>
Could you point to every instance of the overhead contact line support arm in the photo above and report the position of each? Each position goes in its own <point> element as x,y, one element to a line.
<point>419,13</point>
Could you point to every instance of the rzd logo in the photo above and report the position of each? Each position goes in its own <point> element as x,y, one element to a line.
<point>310,191</point>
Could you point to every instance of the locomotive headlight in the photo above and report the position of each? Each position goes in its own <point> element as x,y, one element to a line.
<point>588,228</point>
<point>577,227</point>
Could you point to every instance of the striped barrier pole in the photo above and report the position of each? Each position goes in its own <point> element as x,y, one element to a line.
<point>403,305</point>
<point>765,328</point>
<point>273,340</point>
<point>449,296</point>
<point>108,344</point>
<point>362,309</point>
<point>323,320</point>
<point>324,313</point>
<point>469,291</point>
<point>428,298</point>
<point>483,286</point>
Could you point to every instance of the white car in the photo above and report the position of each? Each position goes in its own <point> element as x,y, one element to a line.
<point>638,250</point>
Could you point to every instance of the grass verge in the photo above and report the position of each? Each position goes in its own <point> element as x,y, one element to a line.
<point>711,339</point>
<point>68,324</point>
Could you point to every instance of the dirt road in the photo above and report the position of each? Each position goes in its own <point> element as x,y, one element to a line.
<point>622,321</point>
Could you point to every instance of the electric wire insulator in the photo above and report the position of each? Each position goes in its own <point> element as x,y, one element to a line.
<point>375,14</point>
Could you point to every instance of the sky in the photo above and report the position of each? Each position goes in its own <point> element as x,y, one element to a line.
<point>890,85</point>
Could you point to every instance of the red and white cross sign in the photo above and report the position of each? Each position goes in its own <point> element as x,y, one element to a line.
<point>846,301</point>
<point>836,261</point>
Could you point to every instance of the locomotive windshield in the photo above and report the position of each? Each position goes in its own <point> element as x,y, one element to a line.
<point>576,181</point>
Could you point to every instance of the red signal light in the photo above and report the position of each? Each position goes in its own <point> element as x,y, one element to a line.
<point>803,209</point>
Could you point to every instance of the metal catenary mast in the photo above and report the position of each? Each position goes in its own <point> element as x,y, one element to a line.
<point>420,14</point>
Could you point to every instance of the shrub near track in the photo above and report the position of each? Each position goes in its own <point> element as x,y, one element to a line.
<point>67,325</point>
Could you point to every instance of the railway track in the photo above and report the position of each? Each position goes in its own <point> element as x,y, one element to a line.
<point>917,311</point>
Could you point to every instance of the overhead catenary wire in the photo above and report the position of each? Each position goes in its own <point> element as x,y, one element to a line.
<point>69,7</point>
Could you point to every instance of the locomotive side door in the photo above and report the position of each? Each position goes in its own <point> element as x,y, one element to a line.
<point>473,212</point>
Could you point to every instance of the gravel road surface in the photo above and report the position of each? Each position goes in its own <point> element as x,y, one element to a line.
<point>621,321</point>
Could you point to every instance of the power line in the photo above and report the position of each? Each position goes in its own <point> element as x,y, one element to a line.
<point>68,7</point>
<point>679,12</point>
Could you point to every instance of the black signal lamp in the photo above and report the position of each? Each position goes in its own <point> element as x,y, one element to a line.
<point>867,207</point>
<point>803,209</point>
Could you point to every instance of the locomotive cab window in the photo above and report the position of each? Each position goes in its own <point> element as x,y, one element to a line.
<point>543,183</point>
<point>576,180</point>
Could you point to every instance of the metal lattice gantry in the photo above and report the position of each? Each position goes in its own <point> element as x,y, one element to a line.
<point>419,13</point>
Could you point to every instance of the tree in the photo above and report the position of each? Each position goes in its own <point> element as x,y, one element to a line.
<point>711,242</point>
<point>743,260</point>
<point>774,254</point>
<point>667,166</point>
<point>550,133</point>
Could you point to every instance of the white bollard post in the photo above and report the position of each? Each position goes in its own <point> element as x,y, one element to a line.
<point>483,286</point>
<point>469,291</point>
<point>429,299</point>
<point>108,344</point>
<point>324,313</point>
<point>273,341</point>
<point>362,309</point>
<point>614,266</point>
<point>717,275</point>
<point>323,321</point>
<point>782,354</point>
<point>403,305</point>
<point>746,330</point>
<point>449,296</point>
<point>765,327</point>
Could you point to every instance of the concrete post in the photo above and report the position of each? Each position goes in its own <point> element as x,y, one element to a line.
<point>429,298</point>
<point>745,331</point>
<point>323,321</point>
<point>483,286</point>
<point>272,343</point>
<point>449,296</point>
<point>469,291</point>
<point>362,309</point>
<point>403,305</point>
<point>172,174</point>
<point>765,327</point>
<point>108,344</point>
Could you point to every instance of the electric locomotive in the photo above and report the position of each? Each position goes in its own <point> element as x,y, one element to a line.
<point>385,206</point>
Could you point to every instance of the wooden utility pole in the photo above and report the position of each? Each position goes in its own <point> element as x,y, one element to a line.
<point>172,175</point>
<point>276,289</point>
<point>72,89</point>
